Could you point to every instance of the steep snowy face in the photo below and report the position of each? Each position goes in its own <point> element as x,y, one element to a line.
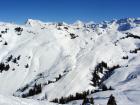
<point>50,60</point>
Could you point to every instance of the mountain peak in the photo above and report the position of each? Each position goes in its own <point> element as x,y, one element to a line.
<point>32,22</point>
<point>78,23</point>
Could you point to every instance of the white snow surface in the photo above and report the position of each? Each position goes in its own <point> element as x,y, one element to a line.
<point>49,50</point>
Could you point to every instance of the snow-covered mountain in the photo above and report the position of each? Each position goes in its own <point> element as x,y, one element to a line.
<point>44,62</point>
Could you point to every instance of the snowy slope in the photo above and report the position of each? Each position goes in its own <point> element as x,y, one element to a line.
<point>58,59</point>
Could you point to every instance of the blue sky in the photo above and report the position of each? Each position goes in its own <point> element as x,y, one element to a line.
<point>68,10</point>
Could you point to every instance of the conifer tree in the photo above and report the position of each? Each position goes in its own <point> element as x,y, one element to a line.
<point>111,100</point>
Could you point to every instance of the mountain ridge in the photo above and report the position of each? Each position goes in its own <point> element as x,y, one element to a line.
<point>44,61</point>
